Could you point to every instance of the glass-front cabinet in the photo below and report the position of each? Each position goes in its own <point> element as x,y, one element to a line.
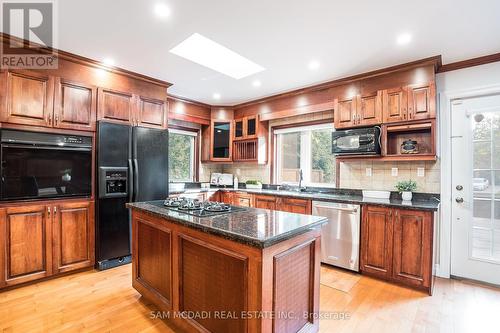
<point>245,128</point>
<point>221,140</point>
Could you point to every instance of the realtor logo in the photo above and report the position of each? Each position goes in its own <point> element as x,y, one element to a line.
<point>34,22</point>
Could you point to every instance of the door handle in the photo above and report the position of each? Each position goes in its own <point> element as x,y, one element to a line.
<point>130,180</point>
<point>459,187</point>
<point>136,179</point>
<point>459,200</point>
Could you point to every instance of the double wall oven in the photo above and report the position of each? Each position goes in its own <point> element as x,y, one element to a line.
<point>44,166</point>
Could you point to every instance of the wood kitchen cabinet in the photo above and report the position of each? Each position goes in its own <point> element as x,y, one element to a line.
<point>360,110</point>
<point>242,199</point>
<point>28,98</point>
<point>412,102</point>
<point>376,241</point>
<point>75,105</point>
<point>293,205</point>
<point>73,234</point>
<point>43,239</point>
<point>226,197</point>
<point>26,244</point>
<point>151,113</point>
<point>264,202</point>
<point>116,106</point>
<point>245,128</point>
<point>221,143</point>
<point>396,245</point>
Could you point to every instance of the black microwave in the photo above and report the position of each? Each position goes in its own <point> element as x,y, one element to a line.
<point>358,141</point>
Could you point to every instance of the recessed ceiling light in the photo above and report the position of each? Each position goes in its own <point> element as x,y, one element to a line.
<point>208,53</point>
<point>313,65</point>
<point>109,61</point>
<point>256,83</point>
<point>162,10</point>
<point>216,96</point>
<point>404,38</point>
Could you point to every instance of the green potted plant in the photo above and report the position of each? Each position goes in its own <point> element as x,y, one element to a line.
<point>406,187</point>
<point>255,184</point>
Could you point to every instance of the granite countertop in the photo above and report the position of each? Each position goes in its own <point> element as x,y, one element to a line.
<point>420,202</point>
<point>255,227</point>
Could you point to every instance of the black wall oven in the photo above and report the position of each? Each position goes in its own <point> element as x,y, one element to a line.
<point>42,165</point>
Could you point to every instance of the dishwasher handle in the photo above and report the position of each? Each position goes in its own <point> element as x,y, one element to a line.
<point>351,210</point>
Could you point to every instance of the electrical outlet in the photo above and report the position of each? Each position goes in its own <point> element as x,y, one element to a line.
<point>368,172</point>
<point>420,172</point>
<point>394,172</point>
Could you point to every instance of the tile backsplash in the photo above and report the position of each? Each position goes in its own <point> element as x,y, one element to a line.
<point>382,175</point>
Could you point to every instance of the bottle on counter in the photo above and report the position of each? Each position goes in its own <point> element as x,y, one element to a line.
<point>235,183</point>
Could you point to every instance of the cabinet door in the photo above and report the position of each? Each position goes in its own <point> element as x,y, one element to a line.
<point>376,241</point>
<point>213,196</point>
<point>115,106</point>
<point>369,109</point>
<point>75,105</point>
<point>422,101</point>
<point>413,247</point>
<point>238,129</point>
<point>251,127</point>
<point>28,98</point>
<point>242,199</point>
<point>345,112</point>
<point>394,105</point>
<point>152,113</point>
<point>26,244</point>
<point>265,202</point>
<point>221,142</point>
<point>291,205</point>
<point>226,197</point>
<point>73,234</point>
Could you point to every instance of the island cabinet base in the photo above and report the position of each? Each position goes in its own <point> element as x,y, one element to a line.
<point>206,283</point>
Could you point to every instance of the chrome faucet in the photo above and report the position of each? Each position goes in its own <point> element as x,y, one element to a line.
<point>301,178</point>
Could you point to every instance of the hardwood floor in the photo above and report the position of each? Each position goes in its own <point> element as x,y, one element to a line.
<point>105,302</point>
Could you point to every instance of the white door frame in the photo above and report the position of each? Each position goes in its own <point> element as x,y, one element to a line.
<point>443,269</point>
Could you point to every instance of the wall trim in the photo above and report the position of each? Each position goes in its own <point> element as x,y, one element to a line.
<point>446,98</point>
<point>469,63</point>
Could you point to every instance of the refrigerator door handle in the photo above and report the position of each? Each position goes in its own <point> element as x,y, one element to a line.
<point>136,179</point>
<point>131,179</point>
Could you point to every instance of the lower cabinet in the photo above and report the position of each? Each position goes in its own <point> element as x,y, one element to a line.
<point>226,197</point>
<point>292,205</point>
<point>396,245</point>
<point>40,240</point>
<point>73,234</point>
<point>242,199</point>
<point>264,202</point>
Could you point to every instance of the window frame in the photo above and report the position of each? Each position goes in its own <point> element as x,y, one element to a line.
<point>195,167</point>
<point>305,162</point>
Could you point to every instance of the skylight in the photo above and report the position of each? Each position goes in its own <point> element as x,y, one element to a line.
<point>208,53</point>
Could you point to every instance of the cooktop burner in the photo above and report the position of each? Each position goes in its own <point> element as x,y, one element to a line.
<point>198,208</point>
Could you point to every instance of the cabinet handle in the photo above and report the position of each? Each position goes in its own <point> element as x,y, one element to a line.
<point>48,211</point>
<point>50,119</point>
<point>55,210</point>
<point>57,119</point>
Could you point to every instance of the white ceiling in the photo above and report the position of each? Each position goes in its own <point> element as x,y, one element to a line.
<point>346,37</point>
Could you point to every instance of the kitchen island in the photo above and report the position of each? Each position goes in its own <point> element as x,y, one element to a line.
<point>249,270</point>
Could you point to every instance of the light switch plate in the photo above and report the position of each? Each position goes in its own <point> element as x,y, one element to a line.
<point>394,172</point>
<point>420,172</point>
<point>368,172</point>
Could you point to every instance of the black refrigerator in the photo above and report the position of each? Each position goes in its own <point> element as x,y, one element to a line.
<point>132,166</point>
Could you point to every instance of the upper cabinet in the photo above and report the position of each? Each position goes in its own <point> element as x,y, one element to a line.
<point>412,102</point>
<point>116,106</point>
<point>245,128</point>
<point>126,108</point>
<point>28,98</point>
<point>221,140</point>
<point>151,112</point>
<point>74,105</point>
<point>33,98</point>
<point>358,111</point>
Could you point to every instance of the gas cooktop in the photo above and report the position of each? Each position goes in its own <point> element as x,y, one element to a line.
<point>198,208</point>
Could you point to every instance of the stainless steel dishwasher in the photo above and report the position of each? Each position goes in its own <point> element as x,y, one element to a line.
<point>340,237</point>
